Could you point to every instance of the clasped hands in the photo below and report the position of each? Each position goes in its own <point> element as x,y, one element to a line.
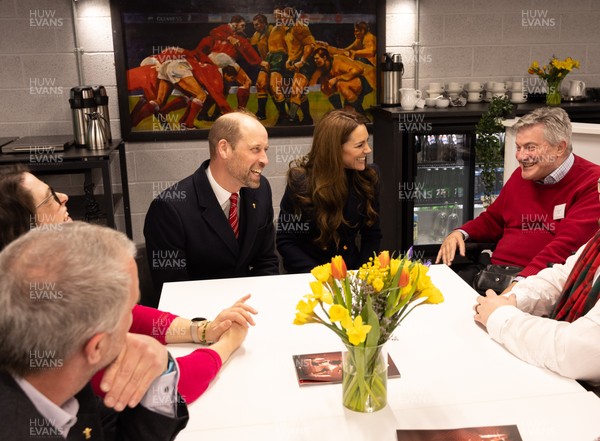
<point>488,304</point>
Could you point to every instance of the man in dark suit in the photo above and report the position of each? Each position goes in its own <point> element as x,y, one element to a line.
<point>188,228</point>
<point>65,310</point>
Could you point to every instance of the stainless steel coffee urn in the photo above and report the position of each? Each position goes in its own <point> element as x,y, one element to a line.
<point>392,70</point>
<point>101,100</point>
<point>82,102</point>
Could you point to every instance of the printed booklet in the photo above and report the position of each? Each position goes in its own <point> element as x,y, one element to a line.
<point>326,367</point>
<point>485,433</point>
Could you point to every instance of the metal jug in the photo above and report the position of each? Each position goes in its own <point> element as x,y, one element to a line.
<point>82,102</point>
<point>392,70</point>
<point>97,131</point>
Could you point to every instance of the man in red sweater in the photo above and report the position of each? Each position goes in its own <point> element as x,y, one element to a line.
<point>547,209</point>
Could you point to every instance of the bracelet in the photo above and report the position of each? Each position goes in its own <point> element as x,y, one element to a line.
<point>203,338</point>
<point>194,328</point>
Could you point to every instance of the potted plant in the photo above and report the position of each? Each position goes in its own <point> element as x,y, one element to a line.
<point>489,143</point>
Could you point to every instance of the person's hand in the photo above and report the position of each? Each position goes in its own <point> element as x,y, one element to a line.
<point>486,305</point>
<point>235,335</point>
<point>127,379</point>
<point>230,340</point>
<point>239,313</point>
<point>448,248</point>
<point>509,288</point>
<point>291,65</point>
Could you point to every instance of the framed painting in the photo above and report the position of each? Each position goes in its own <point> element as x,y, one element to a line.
<point>182,64</point>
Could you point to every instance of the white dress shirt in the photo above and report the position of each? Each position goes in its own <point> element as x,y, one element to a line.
<point>569,349</point>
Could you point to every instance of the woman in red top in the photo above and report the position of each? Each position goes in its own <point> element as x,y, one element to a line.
<point>27,202</point>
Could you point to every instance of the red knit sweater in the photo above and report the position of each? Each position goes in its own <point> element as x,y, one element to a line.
<point>522,219</point>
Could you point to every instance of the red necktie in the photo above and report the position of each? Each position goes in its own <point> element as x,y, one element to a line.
<point>233,214</point>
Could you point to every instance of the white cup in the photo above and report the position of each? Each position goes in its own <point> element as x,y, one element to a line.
<point>499,87</point>
<point>454,87</point>
<point>430,102</point>
<point>436,86</point>
<point>442,102</point>
<point>490,85</point>
<point>474,97</point>
<point>474,86</point>
<point>434,93</point>
<point>518,96</point>
<point>516,86</point>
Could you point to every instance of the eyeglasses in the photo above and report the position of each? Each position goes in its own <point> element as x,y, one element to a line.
<point>52,195</point>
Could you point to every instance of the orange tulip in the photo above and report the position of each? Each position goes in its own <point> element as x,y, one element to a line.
<point>338,268</point>
<point>384,259</point>
<point>404,277</point>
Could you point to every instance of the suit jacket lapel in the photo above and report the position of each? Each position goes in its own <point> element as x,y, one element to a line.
<point>211,210</point>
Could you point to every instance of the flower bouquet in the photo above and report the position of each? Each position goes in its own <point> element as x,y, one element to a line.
<point>364,307</point>
<point>554,73</point>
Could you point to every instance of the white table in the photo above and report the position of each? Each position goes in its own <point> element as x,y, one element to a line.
<point>452,373</point>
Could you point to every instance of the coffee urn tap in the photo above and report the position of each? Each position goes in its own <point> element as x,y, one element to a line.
<point>101,100</point>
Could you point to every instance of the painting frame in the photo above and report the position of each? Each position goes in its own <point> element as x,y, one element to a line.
<point>147,34</point>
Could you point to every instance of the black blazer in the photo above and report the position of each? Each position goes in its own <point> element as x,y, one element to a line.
<point>296,233</point>
<point>188,237</point>
<point>20,420</point>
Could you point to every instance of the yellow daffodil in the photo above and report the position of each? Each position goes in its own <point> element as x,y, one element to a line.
<point>306,306</point>
<point>322,272</point>
<point>337,313</point>
<point>394,265</point>
<point>338,268</point>
<point>432,294</point>
<point>320,293</point>
<point>357,333</point>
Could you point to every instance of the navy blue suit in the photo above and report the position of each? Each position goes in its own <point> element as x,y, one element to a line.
<point>188,237</point>
<point>21,421</point>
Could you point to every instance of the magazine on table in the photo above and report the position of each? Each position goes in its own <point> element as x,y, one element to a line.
<point>483,433</point>
<point>326,367</point>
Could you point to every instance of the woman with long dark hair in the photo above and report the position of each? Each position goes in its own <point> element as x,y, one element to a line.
<point>330,206</point>
<point>26,203</point>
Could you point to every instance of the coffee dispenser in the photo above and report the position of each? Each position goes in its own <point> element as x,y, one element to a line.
<point>392,70</point>
<point>82,102</point>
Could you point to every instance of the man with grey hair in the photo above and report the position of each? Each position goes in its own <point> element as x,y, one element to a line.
<point>66,296</point>
<point>218,222</point>
<point>547,209</point>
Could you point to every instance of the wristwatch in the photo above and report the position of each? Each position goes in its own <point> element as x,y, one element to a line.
<point>194,328</point>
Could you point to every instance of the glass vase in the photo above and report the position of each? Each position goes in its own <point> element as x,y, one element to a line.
<point>553,97</point>
<point>364,378</point>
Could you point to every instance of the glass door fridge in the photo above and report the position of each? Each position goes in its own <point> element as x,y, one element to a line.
<point>440,194</point>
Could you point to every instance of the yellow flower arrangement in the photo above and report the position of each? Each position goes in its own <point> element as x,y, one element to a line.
<point>554,70</point>
<point>364,307</point>
<point>554,73</point>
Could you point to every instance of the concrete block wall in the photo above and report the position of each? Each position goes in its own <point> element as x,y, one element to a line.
<point>460,40</point>
<point>483,40</point>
